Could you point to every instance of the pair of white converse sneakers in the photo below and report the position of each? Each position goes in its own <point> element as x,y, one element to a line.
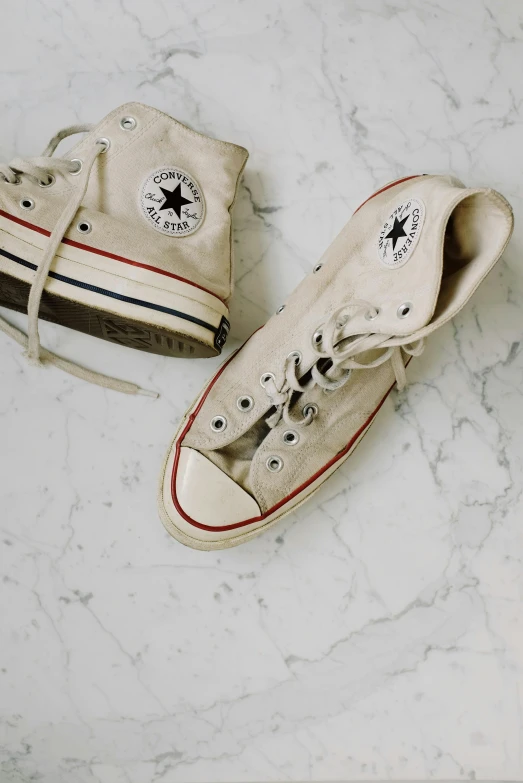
<point>153,271</point>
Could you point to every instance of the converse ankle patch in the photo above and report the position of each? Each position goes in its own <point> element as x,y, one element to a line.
<point>172,202</point>
<point>400,233</point>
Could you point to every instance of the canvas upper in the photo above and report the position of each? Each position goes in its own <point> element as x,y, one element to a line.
<point>407,262</point>
<point>113,200</point>
<point>127,237</point>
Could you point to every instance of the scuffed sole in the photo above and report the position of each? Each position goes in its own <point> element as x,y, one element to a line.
<point>107,325</point>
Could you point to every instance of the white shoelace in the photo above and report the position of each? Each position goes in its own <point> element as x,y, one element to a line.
<point>40,170</point>
<point>338,352</point>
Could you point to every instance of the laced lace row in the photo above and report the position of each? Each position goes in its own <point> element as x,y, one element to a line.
<point>41,170</point>
<point>336,353</point>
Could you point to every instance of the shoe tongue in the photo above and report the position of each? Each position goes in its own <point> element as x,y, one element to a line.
<point>427,245</point>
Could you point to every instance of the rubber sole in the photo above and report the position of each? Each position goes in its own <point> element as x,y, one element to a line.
<point>111,297</point>
<point>104,324</point>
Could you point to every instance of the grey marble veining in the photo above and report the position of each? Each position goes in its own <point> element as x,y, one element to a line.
<point>377,632</point>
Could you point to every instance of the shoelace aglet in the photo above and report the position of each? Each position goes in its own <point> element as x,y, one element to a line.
<point>148,393</point>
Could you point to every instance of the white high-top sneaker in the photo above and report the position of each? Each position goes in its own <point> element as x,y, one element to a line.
<point>128,238</point>
<point>294,402</point>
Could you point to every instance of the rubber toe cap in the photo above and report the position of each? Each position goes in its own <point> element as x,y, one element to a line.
<point>207,495</point>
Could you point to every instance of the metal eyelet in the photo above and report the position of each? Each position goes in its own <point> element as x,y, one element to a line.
<point>128,123</point>
<point>370,315</point>
<point>106,143</point>
<point>27,203</point>
<point>317,268</point>
<point>317,337</point>
<point>404,310</point>
<point>312,407</point>
<point>290,437</point>
<point>280,309</point>
<point>296,355</point>
<point>50,181</point>
<point>16,182</point>
<point>265,378</point>
<point>79,166</point>
<point>245,403</point>
<point>84,227</point>
<point>218,424</point>
<point>274,464</point>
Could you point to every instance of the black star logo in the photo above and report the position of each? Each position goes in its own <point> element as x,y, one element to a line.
<point>174,200</point>
<point>397,230</point>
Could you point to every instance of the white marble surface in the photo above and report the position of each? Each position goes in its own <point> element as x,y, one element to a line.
<point>377,632</point>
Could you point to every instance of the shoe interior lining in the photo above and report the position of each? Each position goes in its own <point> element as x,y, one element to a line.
<point>475,235</point>
<point>235,459</point>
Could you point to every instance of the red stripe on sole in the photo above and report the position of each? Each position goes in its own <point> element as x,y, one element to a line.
<point>113,256</point>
